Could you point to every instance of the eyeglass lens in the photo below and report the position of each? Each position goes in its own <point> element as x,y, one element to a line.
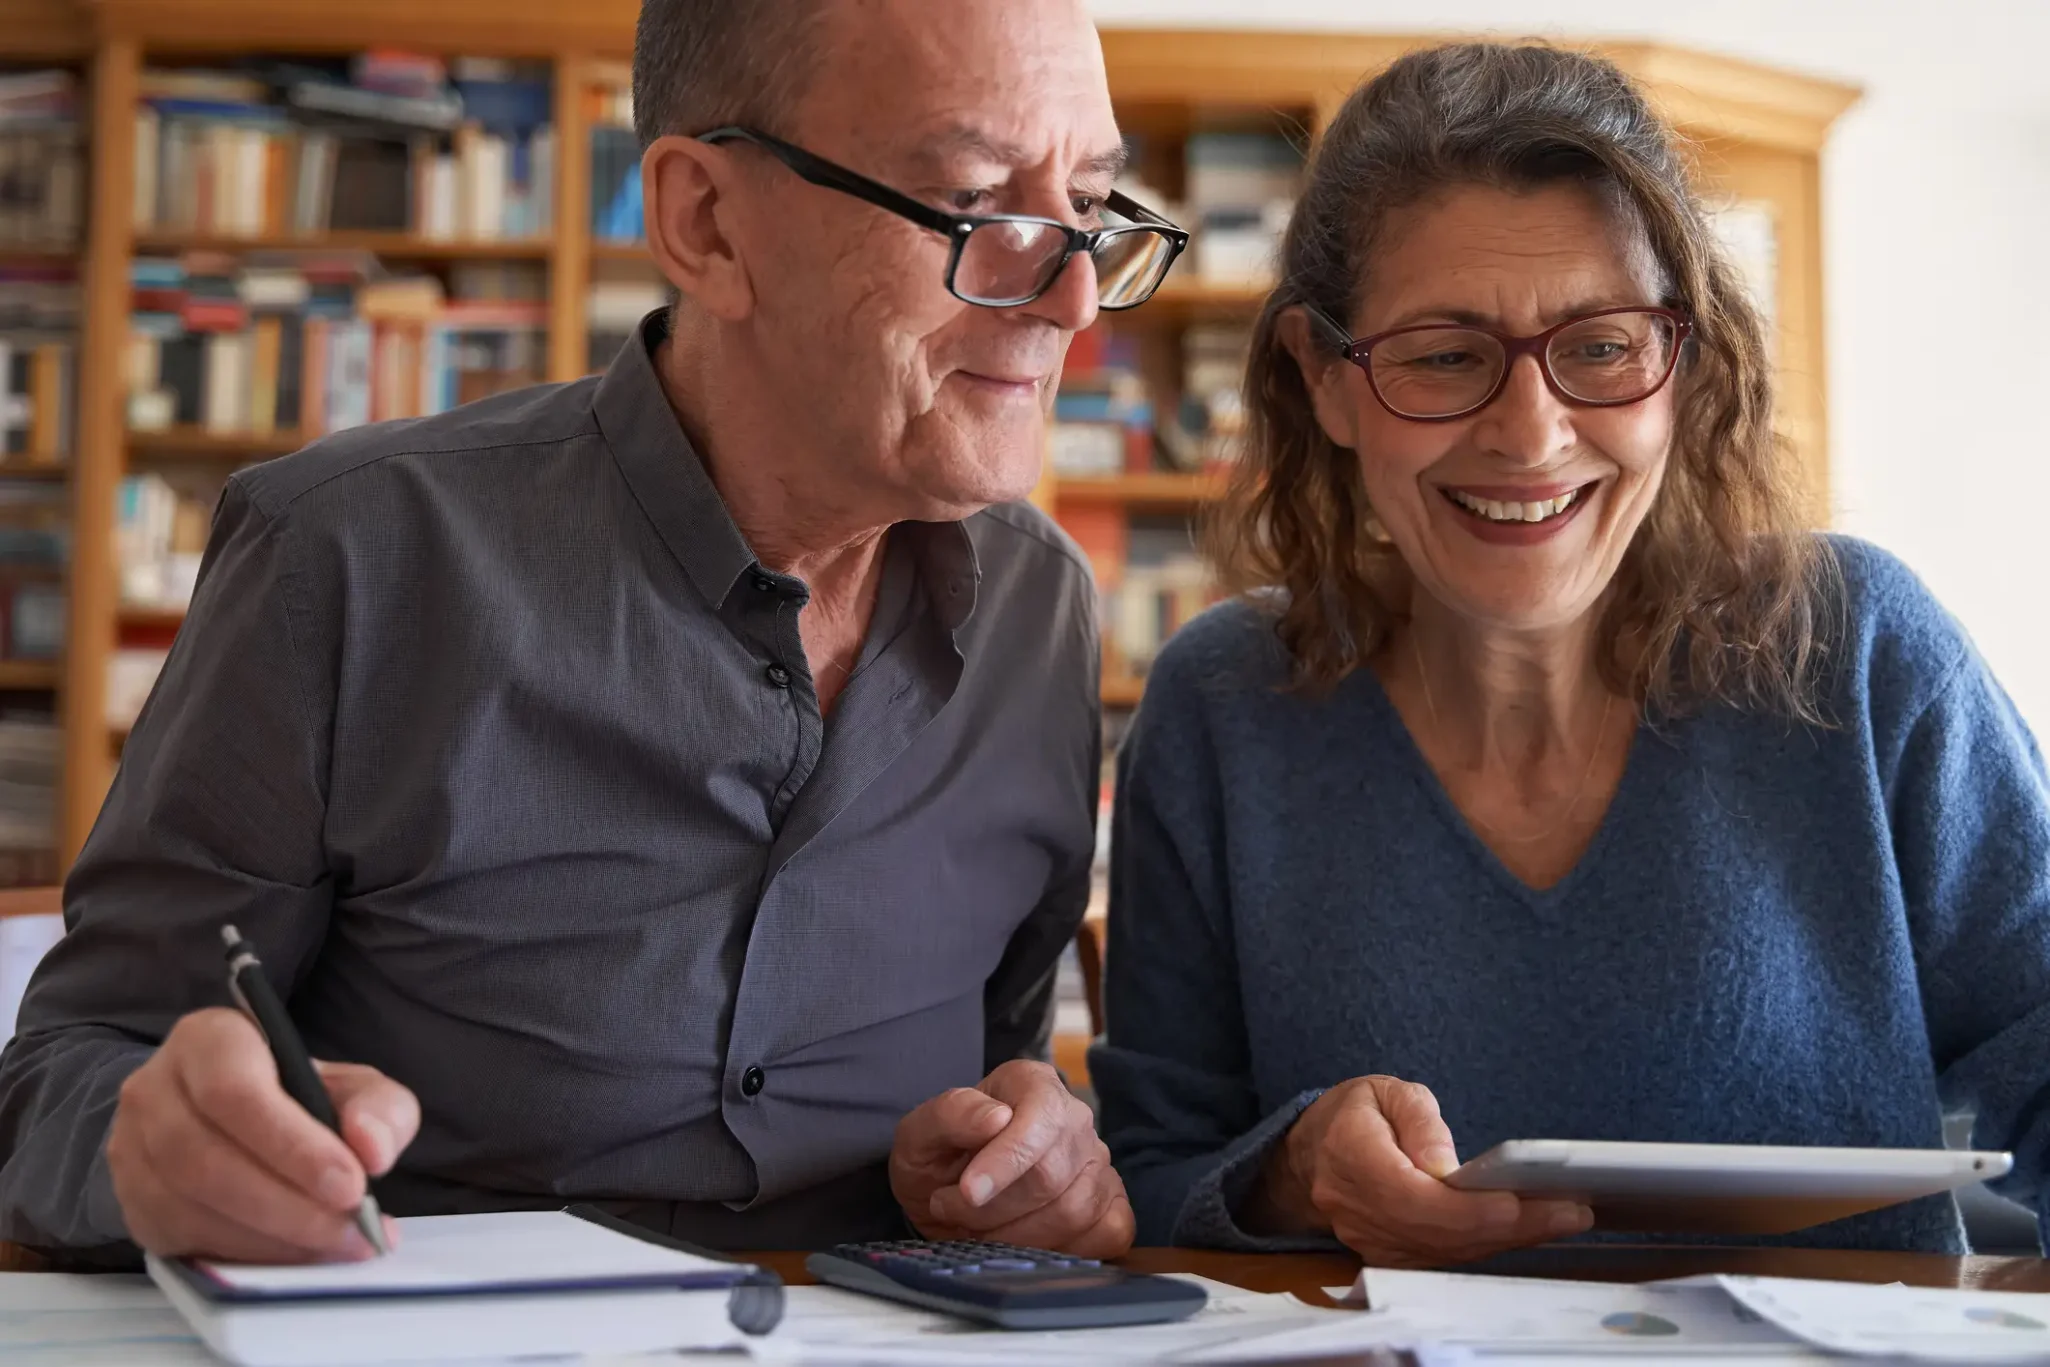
<point>1009,261</point>
<point>1434,372</point>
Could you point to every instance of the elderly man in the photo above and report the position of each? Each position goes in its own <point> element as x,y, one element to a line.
<point>671,789</point>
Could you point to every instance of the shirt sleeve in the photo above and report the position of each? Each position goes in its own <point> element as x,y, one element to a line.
<point>1969,803</point>
<point>1173,1070</point>
<point>215,816</point>
<point>1019,1001</point>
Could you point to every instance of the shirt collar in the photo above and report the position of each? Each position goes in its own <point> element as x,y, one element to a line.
<point>673,487</point>
<point>663,470</point>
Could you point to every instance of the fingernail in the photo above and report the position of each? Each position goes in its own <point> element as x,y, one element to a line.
<point>1002,1113</point>
<point>334,1188</point>
<point>380,1139</point>
<point>979,1189</point>
<point>1440,1161</point>
<point>1572,1220</point>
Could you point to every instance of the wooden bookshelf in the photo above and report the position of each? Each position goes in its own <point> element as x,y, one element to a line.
<point>30,674</point>
<point>399,246</point>
<point>46,474</point>
<point>1760,132</point>
<point>1158,489</point>
<point>197,443</point>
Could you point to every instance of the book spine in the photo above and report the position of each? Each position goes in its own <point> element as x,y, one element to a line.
<point>46,383</point>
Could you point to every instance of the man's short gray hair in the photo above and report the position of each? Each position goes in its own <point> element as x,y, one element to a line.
<point>702,63</point>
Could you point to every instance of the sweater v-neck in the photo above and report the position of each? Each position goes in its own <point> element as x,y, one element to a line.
<point>1478,851</point>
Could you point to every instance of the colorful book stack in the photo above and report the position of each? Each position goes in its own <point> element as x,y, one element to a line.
<point>615,159</point>
<point>1103,420</point>
<point>392,142</point>
<point>42,160</point>
<point>1240,188</point>
<point>1163,583</point>
<point>1210,420</point>
<point>304,344</point>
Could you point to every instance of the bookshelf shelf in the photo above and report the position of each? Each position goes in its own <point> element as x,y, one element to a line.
<point>405,246</point>
<point>1122,690</point>
<point>198,443</point>
<point>39,254</point>
<point>36,674</point>
<point>620,251</point>
<point>1182,294</point>
<point>135,617</point>
<point>47,474</point>
<point>1160,489</point>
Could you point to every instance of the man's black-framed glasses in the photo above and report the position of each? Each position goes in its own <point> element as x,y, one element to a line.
<point>1004,260</point>
<point>1435,372</point>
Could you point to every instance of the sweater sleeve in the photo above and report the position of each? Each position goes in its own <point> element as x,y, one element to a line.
<point>1969,804</point>
<point>1173,1069</point>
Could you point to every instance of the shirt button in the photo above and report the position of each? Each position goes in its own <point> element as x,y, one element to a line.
<point>752,1081</point>
<point>764,584</point>
<point>778,676</point>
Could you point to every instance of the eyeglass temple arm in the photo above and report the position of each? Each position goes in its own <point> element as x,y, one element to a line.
<point>826,174</point>
<point>1337,334</point>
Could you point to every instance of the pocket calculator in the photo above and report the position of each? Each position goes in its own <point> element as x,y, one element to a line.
<point>1006,1286</point>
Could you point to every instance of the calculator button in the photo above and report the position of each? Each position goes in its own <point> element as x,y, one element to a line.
<point>1089,1262</point>
<point>1010,1264</point>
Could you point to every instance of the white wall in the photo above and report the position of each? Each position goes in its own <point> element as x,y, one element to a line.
<point>1937,224</point>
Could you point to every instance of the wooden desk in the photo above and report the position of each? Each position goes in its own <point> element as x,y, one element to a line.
<point>1307,1274</point>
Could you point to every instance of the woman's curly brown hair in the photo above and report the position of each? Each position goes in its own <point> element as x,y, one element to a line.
<point>1721,595</point>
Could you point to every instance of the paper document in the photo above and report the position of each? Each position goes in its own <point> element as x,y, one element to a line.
<point>827,1324</point>
<point>53,1320</point>
<point>534,1249</point>
<point>1536,1316</point>
<point>1903,1321</point>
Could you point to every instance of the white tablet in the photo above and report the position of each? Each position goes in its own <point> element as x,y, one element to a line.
<point>1722,1188</point>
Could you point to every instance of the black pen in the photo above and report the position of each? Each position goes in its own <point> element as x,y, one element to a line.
<point>295,1066</point>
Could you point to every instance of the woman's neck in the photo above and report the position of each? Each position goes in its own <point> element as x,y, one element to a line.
<point>1516,705</point>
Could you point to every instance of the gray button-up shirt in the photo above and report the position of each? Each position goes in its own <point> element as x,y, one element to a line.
<point>493,737</point>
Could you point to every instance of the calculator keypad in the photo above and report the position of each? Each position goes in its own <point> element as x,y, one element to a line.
<point>958,1258</point>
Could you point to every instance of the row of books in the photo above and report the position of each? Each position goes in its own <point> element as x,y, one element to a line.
<point>318,343</point>
<point>160,531</point>
<point>288,152</point>
<point>35,546</point>
<point>1106,421</point>
<point>42,160</point>
<point>615,158</point>
<point>39,307</point>
<point>31,758</point>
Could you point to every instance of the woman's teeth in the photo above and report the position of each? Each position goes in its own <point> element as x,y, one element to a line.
<point>1514,512</point>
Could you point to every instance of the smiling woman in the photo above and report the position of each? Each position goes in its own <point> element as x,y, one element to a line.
<point>1548,780</point>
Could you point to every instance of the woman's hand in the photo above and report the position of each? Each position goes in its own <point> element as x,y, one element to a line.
<point>1366,1162</point>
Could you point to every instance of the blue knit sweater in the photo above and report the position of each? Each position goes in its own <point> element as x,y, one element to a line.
<point>1779,935</point>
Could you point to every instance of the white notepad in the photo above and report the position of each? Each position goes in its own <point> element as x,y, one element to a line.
<point>537,1250</point>
<point>473,1286</point>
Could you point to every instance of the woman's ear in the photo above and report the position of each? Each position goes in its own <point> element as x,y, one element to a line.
<point>1324,374</point>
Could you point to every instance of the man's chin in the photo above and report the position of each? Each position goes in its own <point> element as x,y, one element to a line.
<point>963,483</point>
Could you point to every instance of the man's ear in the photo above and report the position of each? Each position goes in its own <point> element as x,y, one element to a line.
<point>688,214</point>
<point>1324,374</point>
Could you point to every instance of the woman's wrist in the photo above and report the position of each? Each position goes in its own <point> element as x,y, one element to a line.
<point>1279,1202</point>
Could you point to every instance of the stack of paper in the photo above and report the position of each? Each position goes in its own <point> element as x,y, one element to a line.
<point>1751,1320</point>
